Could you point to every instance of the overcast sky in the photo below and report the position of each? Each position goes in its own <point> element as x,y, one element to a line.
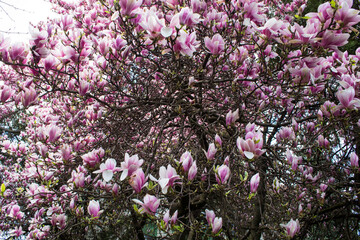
<point>15,16</point>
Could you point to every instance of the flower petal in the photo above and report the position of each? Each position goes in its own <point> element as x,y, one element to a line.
<point>166,32</point>
<point>249,155</point>
<point>107,175</point>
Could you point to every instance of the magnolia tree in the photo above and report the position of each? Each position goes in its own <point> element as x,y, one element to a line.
<point>181,119</point>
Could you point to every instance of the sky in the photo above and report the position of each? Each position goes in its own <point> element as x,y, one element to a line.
<point>15,16</point>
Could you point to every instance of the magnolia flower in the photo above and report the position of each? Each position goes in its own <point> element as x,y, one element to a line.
<point>323,187</point>
<point>16,213</point>
<point>332,40</point>
<point>94,209</point>
<point>231,117</point>
<point>150,204</point>
<point>138,180</point>
<point>323,142</point>
<point>216,225</point>
<point>286,133</point>
<point>186,160</point>
<point>93,158</point>
<point>167,178</point>
<point>214,222</point>
<point>222,174</point>
<point>254,183</point>
<point>173,219</point>
<point>130,165</point>
<point>128,6</point>
<point>210,154</point>
<point>218,140</point>
<point>54,132</point>
<point>293,160</point>
<point>107,169</point>
<point>17,232</point>
<point>251,147</point>
<point>83,87</point>
<point>186,43</point>
<point>6,93</point>
<point>192,171</point>
<point>187,17</point>
<point>347,98</point>
<point>29,96</point>
<point>78,178</point>
<point>354,160</point>
<point>215,44</point>
<point>292,227</point>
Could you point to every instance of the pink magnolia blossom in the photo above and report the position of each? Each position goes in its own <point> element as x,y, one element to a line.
<point>187,17</point>
<point>137,180</point>
<point>93,158</point>
<point>323,142</point>
<point>29,96</point>
<point>346,15</point>
<point>83,87</point>
<point>323,187</point>
<point>18,52</point>
<point>210,215</point>
<point>252,12</point>
<point>107,169</point>
<point>251,147</point>
<point>325,12</point>
<point>198,5</point>
<point>254,182</point>
<point>285,133</point>
<point>292,227</point>
<point>16,213</point>
<point>152,24</point>
<point>347,98</point>
<point>167,178</point>
<point>186,43</point>
<point>78,178</point>
<point>17,232</point>
<point>50,62</point>
<point>54,132</point>
<point>332,40</point>
<point>232,117</point>
<point>5,93</point>
<point>215,45</point>
<point>66,22</point>
<point>94,209</point>
<point>216,225</point>
<point>128,6</point>
<point>354,160</point>
<point>130,165</point>
<point>150,204</point>
<point>218,140</point>
<point>167,218</point>
<point>210,154</point>
<point>65,152</point>
<point>186,160</point>
<point>192,171</point>
<point>293,160</point>
<point>214,222</point>
<point>222,174</point>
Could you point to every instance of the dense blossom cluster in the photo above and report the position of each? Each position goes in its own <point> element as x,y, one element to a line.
<point>136,118</point>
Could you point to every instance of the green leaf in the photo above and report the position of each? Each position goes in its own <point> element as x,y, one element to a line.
<point>333,4</point>
<point>246,175</point>
<point>3,188</point>
<point>136,208</point>
<point>251,195</point>
<point>300,17</point>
